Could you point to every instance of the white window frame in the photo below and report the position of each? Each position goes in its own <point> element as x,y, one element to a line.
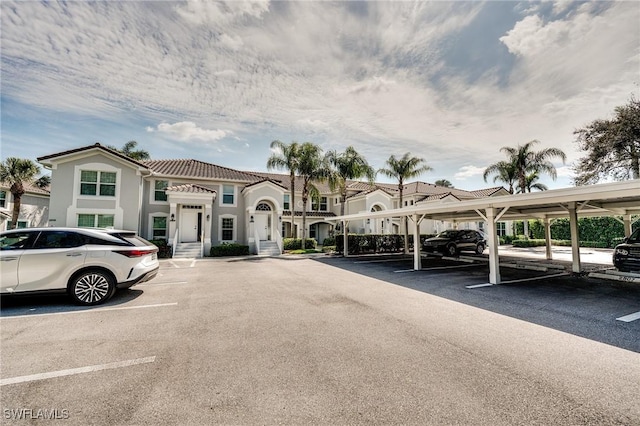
<point>235,196</point>
<point>95,219</point>
<point>286,199</point>
<point>501,227</point>
<point>26,222</point>
<point>5,199</point>
<point>319,205</point>
<point>151,228</point>
<point>99,184</point>
<point>235,228</point>
<point>152,192</point>
<point>96,167</point>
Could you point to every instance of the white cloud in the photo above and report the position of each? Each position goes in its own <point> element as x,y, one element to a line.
<point>468,172</point>
<point>188,131</point>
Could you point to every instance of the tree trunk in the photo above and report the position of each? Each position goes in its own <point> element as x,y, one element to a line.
<point>404,221</point>
<point>17,190</point>
<point>292,205</point>
<point>305,198</point>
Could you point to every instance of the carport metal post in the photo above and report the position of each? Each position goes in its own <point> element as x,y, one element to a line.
<point>547,237</point>
<point>575,237</point>
<point>417,260</point>
<point>626,221</point>
<point>345,241</point>
<point>494,262</point>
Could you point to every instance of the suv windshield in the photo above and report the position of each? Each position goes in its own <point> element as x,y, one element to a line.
<point>448,234</point>
<point>635,237</point>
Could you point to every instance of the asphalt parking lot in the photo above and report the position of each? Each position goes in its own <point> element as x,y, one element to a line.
<point>327,340</point>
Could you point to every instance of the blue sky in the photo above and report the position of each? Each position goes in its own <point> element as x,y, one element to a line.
<point>451,82</point>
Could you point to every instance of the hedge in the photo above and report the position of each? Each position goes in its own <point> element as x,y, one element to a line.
<point>164,250</point>
<point>536,242</point>
<point>375,243</point>
<point>296,243</point>
<point>229,250</point>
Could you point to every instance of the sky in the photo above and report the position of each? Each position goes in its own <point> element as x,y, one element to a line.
<point>448,81</point>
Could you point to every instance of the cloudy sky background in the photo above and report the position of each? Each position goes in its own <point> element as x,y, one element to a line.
<point>451,82</point>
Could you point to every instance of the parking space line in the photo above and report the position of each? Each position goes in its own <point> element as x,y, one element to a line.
<point>478,285</point>
<point>150,284</point>
<point>450,267</point>
<point>542,277</point>
<point>91,310</point>
<point>193,263</point>
<point>379,261</point>
<point>630,317</point>
<point>72,371</point>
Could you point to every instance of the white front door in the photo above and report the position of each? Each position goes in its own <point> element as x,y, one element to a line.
<point>189,226</point>
<point>262,226</point>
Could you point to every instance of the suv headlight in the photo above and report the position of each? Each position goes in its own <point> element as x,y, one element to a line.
<point>622,251</point>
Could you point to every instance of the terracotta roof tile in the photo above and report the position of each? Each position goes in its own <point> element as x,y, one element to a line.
<point>191,188</point>
<point>309,214</point>
<point>197,169</point>
<point>29,188</point>
<point>96,145</point>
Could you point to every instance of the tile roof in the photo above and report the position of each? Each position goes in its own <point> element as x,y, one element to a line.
<point>285,181</point>
<point>29,188</point>
<point>488,192</point>
<point>96,145</point>
<point>309,214</point>
<point>275,182</point>
<point>191,188</point>
<point>197,169</point>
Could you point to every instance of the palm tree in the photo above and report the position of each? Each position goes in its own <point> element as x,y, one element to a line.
<point>526,161</point>
<point>312,167</point>
<point>286,157</point>
<point>504,172</point>
<point>407,167</point>
<point>444,183</point>
<point>533,184</point>
<point>15,172</point>
<point>347,165</point>
<point>129,149</point>
<point>43,182</point>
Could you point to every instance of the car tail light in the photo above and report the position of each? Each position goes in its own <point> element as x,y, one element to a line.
<point>135,253</point>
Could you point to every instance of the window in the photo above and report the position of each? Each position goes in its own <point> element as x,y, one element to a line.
<point>286,203</point>
<point>98,183</point>
<point>58,239</point>
<point>17,240</point>
<point>159,194</point>
<point>321,207</point>
<point>3,199</point>
<point>227,229</point>
<point>159,227</point>
<point>21,224</point>
<point>501,229</point>
<point>95,220</point>
<point>228,194</point>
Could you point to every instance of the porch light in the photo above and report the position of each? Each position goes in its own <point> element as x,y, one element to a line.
<point>251,220</point>
<point>208,217</point>
<point>173,218</point>
<point>368,221</point>
<point>279,218</point>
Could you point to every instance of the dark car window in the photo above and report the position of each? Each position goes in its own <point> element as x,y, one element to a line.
<point>132,239</point>
<point>104,240</point>
<point>58,239</point>
<point>634,237</point>
<point>17,240</point>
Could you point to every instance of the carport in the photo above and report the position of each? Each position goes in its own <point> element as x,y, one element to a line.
<point>609,199</point>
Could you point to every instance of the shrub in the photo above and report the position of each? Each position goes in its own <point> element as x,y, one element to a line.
<point>529,243</point>
<point>229,250</point>
<point>329,241</point>
<point>296,243</point>
<point>164,249</point>
<point>506,239</point>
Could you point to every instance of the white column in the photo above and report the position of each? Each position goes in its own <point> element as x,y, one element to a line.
<point>575,237</point>
<point>417,260</point>
<point>173,217</point>
<point>547,237</point>
<point>208,220</point>
<point>494,260</point>
<point>626,221</point>
<point>345,236</point>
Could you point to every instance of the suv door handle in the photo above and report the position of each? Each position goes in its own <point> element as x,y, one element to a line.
<point>75,254</point>
<point>7,259</point>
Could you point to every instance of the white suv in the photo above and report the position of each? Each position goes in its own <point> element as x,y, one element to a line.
<point>89,264</point>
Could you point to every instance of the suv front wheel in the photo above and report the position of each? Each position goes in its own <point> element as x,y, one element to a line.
<point>92,287</point>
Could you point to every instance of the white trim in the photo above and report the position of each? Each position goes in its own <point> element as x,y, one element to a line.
<point>150,224</point>
<point>152,192</point>
<point>235,228</point>
<point>235,196</point>
<point>96,167</point>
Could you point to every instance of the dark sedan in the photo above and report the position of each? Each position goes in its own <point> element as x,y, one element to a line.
<point>453,241</point>
<point>626,256</point>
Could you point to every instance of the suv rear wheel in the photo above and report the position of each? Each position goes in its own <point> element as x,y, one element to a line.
<point>451,250</point>
<point>92,287</point>
<point>480,248</point>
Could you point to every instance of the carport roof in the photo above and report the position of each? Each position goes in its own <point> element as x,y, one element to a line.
<point>606,199</point>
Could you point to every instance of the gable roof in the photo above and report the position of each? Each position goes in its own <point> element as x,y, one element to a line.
<point>190,168</point>
<point>191,188</point>
<point>489,192</point>
<point>29,188</point>
<point>95,146</point>
<point>272,181</point>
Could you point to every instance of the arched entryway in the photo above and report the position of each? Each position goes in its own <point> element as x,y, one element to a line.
<point>377,226</point>
<point>263,218</point>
